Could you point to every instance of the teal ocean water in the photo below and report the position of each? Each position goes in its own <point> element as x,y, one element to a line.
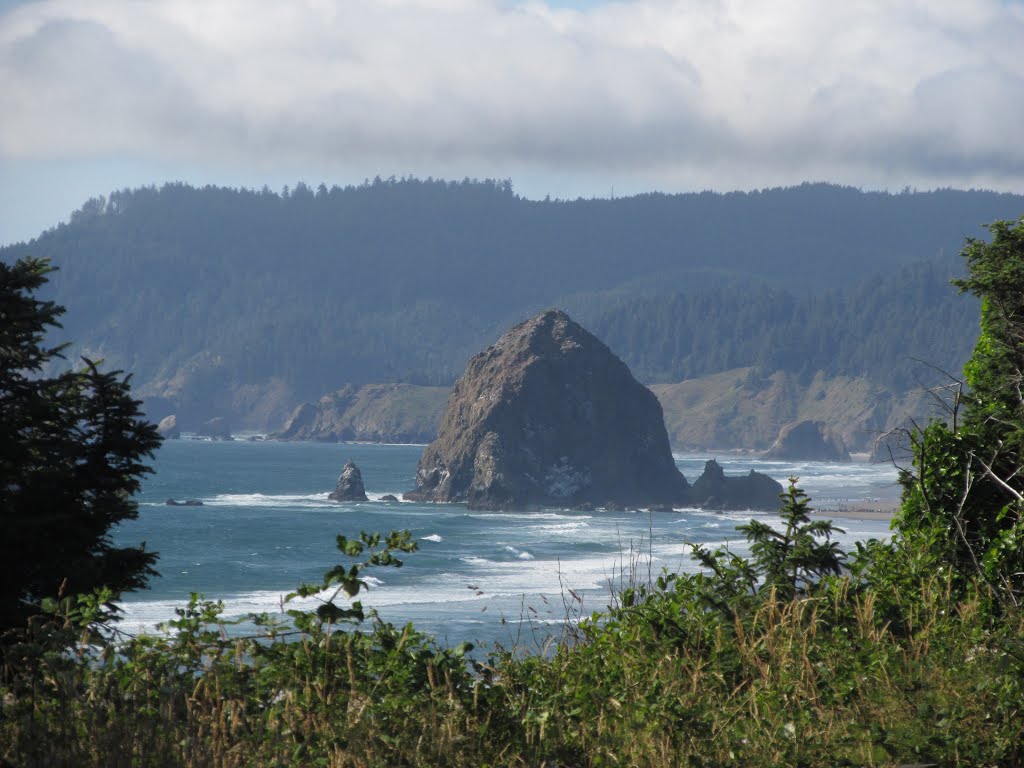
<point>487,577</point>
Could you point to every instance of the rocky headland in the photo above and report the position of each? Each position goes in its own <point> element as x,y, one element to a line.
<point>168,428</point>
<point>377,413</point>
<point>549,416</point>
<point>808,440</point>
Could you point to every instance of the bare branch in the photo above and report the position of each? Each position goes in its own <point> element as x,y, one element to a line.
<point>1006,486</point>
<point>958,515</point>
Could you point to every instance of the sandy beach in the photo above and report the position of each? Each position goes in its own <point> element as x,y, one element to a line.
<point>883,511</point>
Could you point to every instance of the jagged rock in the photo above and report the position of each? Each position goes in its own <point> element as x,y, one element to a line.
<point>216,429</point>
<point>808,441</point>
<point>714,490</point>
<point>549,416</point>
<point>186,503</point>
<point>168,428</point>
<point>350,485</point>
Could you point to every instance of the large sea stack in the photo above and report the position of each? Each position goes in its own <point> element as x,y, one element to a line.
<point>549,416</point>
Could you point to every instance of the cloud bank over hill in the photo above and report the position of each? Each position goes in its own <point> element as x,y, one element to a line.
<point>651,93</point>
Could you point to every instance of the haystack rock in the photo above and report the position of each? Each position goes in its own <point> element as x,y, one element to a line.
<point>548,416</point>
<point>350,485</point>
<point>808,441</point>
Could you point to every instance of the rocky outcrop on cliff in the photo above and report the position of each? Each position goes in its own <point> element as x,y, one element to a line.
<point>350,484</point>
<point>715,490</point>
<point>549,416</point>
<point>381,413</point>
<point>168,428</point>
<point>808,440</point>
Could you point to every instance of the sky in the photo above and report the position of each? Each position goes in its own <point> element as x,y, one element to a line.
<point>565,98</point>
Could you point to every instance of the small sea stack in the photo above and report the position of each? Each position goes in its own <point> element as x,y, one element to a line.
<point>716,490</point>
<point>350,484</point>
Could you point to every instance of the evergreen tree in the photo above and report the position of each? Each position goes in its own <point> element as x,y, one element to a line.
<point>783,563</point>
<point>71,451</point>
<point>794,558</point>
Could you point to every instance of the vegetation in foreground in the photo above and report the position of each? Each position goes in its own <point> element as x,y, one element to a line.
<point>909,651</point>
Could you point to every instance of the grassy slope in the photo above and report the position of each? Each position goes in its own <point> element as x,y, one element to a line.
<point>397,409</point>
<point>741,409</point>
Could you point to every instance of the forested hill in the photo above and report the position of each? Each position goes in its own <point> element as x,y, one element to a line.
<point>891,329</point>
<point>247,301</point>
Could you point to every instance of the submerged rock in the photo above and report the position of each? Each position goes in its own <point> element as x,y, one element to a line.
<point>549,416</point>
<point>808,441</point>
<point>350,485</point>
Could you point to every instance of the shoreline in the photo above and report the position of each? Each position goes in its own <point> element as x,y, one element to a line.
<point>882,512</point>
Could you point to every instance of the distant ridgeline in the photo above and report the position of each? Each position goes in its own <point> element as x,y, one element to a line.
<point>243,303</point>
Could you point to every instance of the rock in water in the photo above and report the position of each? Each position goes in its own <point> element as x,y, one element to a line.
<point>350,485</point>
<point>808,441</point>
<point>216,429</point>
<point>715,490</point>
<point>549,416</point>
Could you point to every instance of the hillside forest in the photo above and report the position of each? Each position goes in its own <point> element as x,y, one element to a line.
<point>818,300</point>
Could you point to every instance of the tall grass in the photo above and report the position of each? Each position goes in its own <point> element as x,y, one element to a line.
<point>822,680</point>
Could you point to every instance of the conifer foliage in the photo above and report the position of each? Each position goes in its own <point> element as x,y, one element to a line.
<point>72,446</point>
<point>963,501</point>
<point>795,557</point>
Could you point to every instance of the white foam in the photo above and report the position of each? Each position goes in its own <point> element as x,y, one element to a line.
<point>432,537</point>
<point>270,500</point>
<point>522,555</point>
<point>379,496</point>
<point>528,516</point>
<point>563,529</point>
<point>504,587</point>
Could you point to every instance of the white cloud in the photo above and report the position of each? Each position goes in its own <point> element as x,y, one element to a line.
<point>693,93</point>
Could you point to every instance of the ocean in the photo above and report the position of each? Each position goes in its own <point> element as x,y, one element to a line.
<point>506,578</point>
